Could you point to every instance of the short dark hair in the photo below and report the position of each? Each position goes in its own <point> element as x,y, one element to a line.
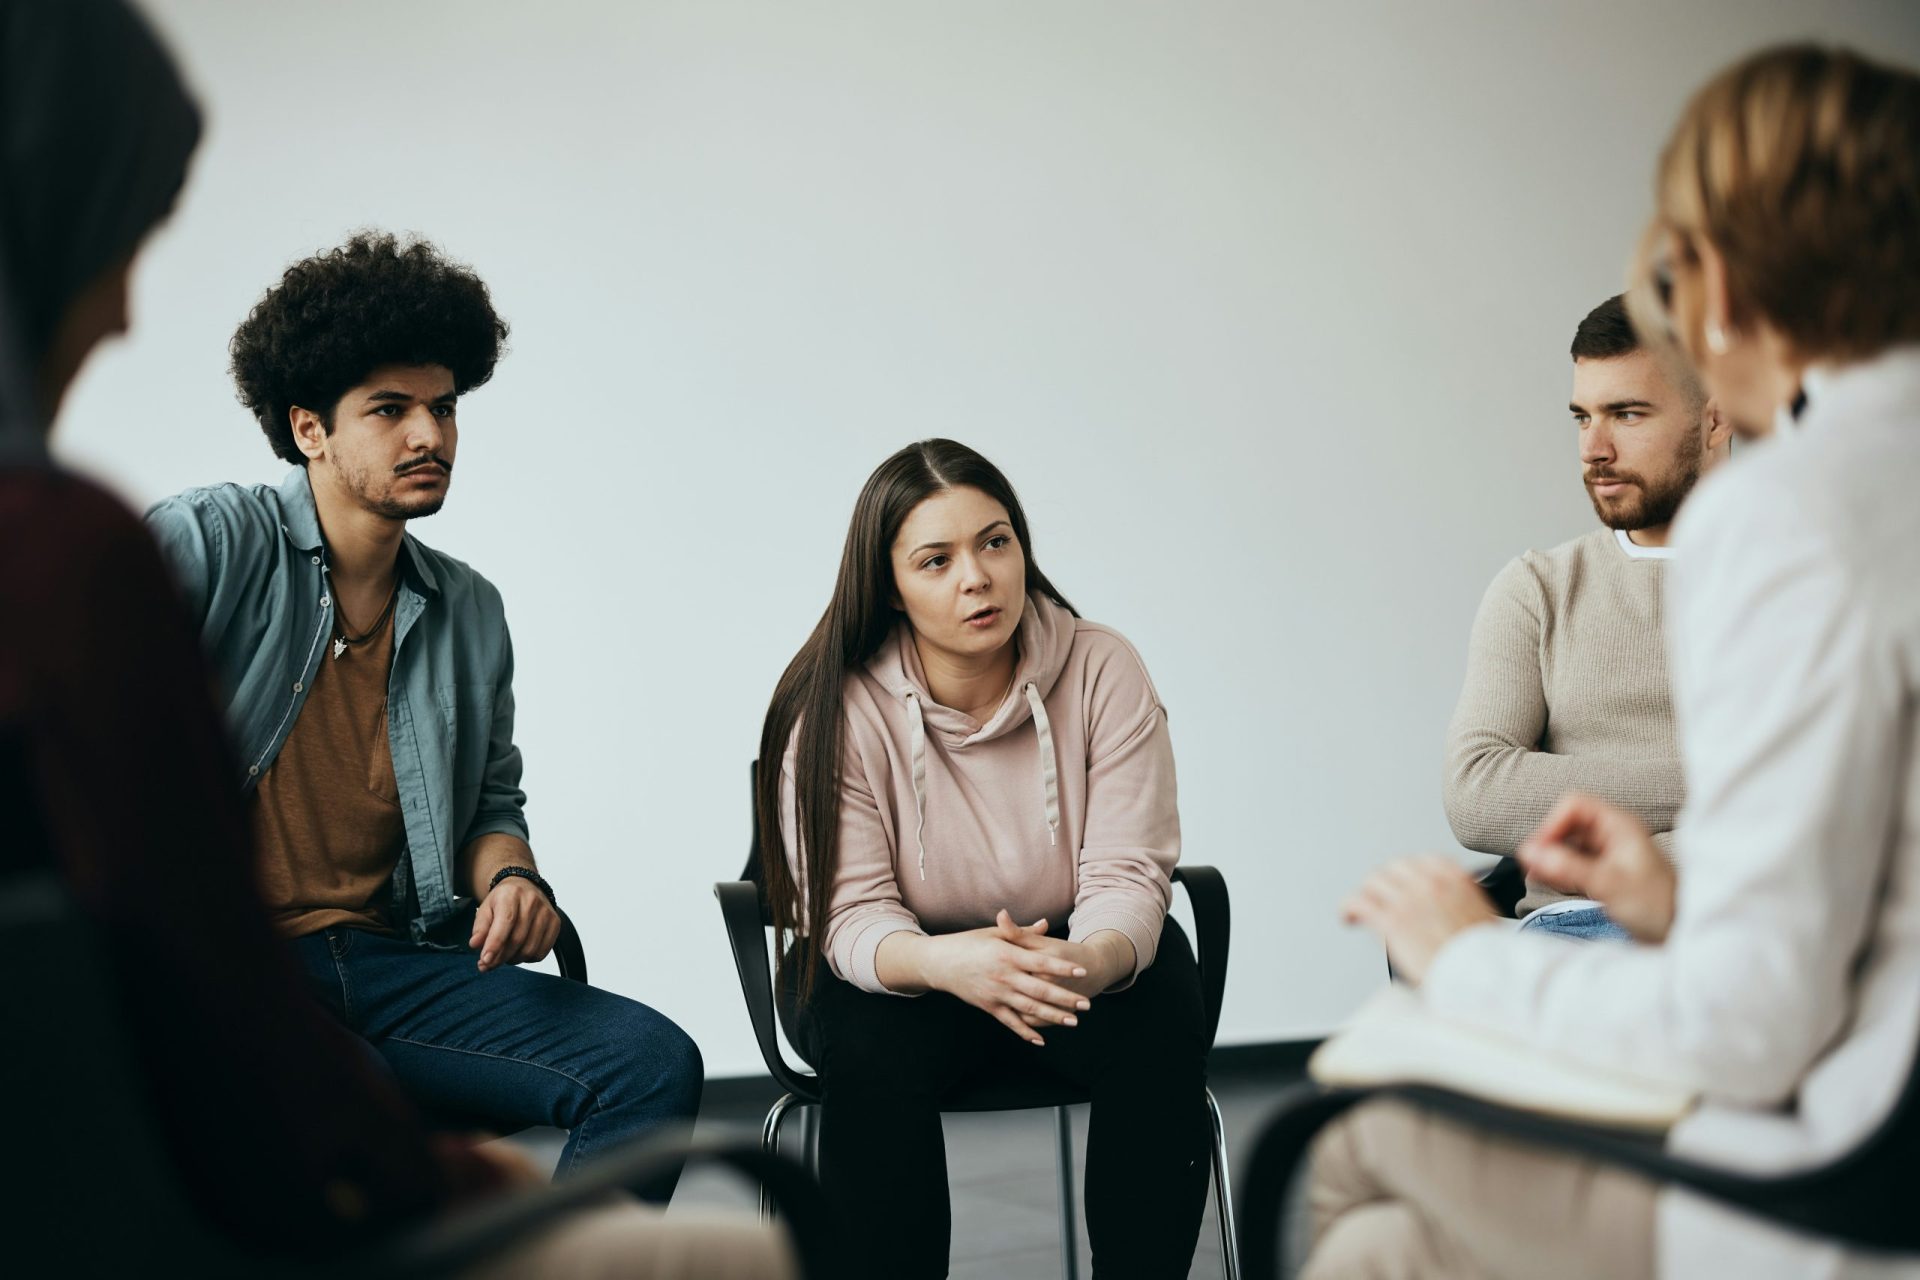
<point>1606,333</point>
<point>336,317</point>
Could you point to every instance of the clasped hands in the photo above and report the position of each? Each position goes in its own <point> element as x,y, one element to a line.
<point>1586,847</point>
<point>1021,977</point>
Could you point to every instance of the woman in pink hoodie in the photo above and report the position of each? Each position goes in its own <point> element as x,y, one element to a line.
<point>976,798</point>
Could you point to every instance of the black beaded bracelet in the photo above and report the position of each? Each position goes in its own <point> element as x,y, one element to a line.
<point>525,873</point>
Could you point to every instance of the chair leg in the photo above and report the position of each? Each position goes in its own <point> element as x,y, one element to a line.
<point>1069,1236</point>
<point>1223,1194</point>
<point>810,1139</point>
<point>770,1142</point>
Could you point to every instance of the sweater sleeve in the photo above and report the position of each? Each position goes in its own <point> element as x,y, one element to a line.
<point>1131,843</point>
<point>865,906</point>
<point>1500,785</point>
<point>1792,697</point>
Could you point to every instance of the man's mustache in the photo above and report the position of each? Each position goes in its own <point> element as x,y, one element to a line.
<point>431,460</point>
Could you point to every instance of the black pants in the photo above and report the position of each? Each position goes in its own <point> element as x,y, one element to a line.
<point>886,1062</point>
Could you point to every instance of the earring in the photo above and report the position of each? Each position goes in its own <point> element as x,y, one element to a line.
<point>1716,338</point>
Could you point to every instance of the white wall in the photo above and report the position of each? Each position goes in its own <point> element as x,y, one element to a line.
<point>1263,307</point>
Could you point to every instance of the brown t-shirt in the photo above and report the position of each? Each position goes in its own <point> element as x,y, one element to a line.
<point>326,815</point>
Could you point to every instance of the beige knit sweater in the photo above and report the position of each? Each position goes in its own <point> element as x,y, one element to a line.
<point>1566,690</point>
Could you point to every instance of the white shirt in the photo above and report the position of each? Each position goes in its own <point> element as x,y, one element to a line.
<point>1788,991</point>
<point>1638,552</point>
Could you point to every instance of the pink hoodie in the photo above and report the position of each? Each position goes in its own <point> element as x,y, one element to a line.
<point>1062,803</point>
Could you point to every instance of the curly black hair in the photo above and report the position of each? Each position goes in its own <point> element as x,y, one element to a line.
<point>336,317</point>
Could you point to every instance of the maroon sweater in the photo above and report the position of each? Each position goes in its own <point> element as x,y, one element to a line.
<point>115,769</point>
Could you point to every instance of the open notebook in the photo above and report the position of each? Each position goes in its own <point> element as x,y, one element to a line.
<point>1394,1040</point>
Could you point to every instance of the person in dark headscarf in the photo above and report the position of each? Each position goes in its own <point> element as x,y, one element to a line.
<point>113,763</point>
<point>96,130</point>
<point>119,777</point>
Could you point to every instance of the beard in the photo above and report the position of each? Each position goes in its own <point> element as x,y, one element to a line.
<point>1648,504</point>
<point>375,490</point>
<point>408,508</point>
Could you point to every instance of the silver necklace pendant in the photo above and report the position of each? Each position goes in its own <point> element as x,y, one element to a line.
<point>339,647</point>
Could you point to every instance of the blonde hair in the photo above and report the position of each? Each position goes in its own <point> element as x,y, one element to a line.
<point>1801,166</point>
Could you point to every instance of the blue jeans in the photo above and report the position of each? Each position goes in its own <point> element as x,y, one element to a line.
<point>510,1048</point>
<point>1587,924</point>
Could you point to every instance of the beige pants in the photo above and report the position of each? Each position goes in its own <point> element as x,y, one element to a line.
<point>1398,1193</point>
<point>629,1241</point>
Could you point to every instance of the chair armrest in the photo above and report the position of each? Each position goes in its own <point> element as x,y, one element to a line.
<point>1213,929</point>
<point>478,1231</point>
<point>1506,883</point>
<point>568,952</point>
<point>1875,1213</point>
<point>746,932</point>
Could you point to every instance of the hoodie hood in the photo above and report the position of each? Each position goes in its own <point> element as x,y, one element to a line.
<point>1045,639</point>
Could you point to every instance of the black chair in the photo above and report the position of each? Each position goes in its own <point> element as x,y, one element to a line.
<point>567,951</point>
<point>1862,1198</point>
<point>1506,884</point>
<point>92,1189</point>
<point>743,905</point>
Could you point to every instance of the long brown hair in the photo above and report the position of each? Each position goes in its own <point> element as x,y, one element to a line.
<point>811,695</point>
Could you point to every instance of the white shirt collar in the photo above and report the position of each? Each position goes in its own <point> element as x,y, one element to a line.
<point>1639,552</point>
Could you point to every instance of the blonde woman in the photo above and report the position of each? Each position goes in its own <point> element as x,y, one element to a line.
<point>1779,979</point>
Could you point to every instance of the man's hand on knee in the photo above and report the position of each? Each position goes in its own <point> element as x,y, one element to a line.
<point>515,923</point>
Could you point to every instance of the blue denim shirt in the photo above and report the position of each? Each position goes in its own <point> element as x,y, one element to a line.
<point>253,567</point>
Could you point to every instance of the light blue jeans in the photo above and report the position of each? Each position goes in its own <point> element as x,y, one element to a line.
<point>1587,924</point>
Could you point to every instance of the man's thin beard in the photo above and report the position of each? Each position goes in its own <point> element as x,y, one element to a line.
<point>394,511</point>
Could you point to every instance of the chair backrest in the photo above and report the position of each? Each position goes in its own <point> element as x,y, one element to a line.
<point>755,872</point>
<point>98,1193</point>
<point>1866,1195</point>
<point>744,908</point>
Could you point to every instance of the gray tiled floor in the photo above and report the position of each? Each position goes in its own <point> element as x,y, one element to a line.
<point>1001,1168</point>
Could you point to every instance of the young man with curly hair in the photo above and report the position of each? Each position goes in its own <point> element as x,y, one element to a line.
<point>369,684</point>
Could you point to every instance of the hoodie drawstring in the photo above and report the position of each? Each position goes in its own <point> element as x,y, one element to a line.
<point>1049,767</point>
<point>919,767</point>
